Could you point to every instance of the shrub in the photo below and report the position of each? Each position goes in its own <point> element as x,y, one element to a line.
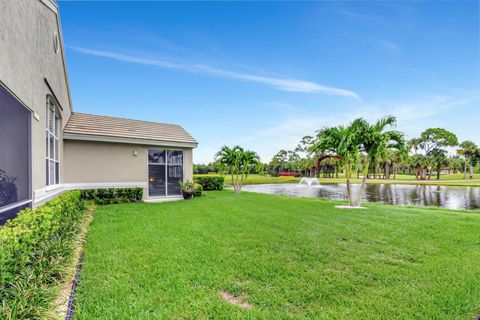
<point>289,174</point>
<point>209,182</point>
<point>197,190</point>
<point>34,249</point>
<point>112,195</point>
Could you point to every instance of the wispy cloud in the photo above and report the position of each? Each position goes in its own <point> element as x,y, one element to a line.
<point>362,17</point>
<point>284,84</point>
<point>390,46</point>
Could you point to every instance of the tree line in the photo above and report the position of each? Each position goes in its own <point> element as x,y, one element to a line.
<point>377,150</point>
<point>360,149</point>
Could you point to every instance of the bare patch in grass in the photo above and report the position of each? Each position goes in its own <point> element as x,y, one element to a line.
<point>349,207</point>
<point>238,301</point>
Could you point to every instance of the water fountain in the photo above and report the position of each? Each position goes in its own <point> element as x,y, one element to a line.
<point>309,181</point>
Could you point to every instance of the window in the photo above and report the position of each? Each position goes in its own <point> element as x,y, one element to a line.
<point>175,172</point>
<point>52,172</point>
<point>15,185</point>
<point>165,172</point>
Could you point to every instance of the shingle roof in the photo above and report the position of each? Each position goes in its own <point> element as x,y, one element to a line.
<point>94,125</point>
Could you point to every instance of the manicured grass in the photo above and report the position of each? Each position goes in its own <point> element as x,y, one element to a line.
<point>445,180</point>
<point>259,179</point>
<point>290,258</point>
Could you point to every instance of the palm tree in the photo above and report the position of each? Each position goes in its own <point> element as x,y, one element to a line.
<point>416,164</point>
<point>376,140</point>
<point>341,142</point>
<point>456,165</point>
<point>398,157</point>
<point>467,149</point>
<point>390,159</point>
<point>414,144</point>
<point>238,162</point>
<point>440,160</point>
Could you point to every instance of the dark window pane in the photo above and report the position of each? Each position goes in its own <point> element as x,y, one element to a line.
<point>57,125</point>
<point>175,157</point>
<point>156,180</point>
<point>46,144</point>
<point>47,174</point>
<point>52,172</point>
<point>51,147</point>
<point>57,173</point>
<point>14,150</point>
<point>55,143</point>
<point>175,176</point>
<point>156,156</point>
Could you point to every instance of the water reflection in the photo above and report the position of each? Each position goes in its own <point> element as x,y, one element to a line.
<point>423,195</point>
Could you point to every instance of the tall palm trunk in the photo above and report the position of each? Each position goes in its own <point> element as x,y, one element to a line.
<point>388,168</point>
<point>363,186</point>
<point>349,193</point>
<point>471,170</point>
<point>465,169</point>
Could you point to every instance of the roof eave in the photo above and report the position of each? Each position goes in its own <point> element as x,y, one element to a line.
<point>149,142</point>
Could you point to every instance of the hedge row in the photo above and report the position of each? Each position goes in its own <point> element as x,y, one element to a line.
<point>34,248</point>
<point>112,195</point>
<point>209,182</point>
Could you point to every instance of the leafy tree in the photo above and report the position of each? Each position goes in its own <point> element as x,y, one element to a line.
<point>432,142</point>
<point>238,162</point>
<point>467,150</point>
<point>277,164</point>
<point>205,168</point>
<point>437,138</point>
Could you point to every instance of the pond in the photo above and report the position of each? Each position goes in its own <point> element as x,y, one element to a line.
<point>400,194</point>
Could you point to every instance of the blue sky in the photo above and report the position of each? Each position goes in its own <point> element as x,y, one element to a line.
<point>264,74</point>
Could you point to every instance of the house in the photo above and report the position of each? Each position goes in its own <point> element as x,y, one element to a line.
<point>46,147</point>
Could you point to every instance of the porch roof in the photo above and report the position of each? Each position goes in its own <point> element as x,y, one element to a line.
<point>82,126</point>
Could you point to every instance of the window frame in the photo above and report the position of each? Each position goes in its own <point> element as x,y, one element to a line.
<point>167,165</point>
<point>52,157</point>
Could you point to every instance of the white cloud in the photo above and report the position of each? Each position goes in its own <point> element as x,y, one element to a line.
<point>361,17</point>
<point>284,84</point>
<point>390,46</point>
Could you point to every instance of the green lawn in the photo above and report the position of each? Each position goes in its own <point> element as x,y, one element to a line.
<point>445,180</point>
<point>290,258</point>
<point>261,179</point>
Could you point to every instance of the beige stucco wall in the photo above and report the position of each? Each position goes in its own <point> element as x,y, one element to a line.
<point>27,58</point>
<point>88,162</point>
<point>102,162</point>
